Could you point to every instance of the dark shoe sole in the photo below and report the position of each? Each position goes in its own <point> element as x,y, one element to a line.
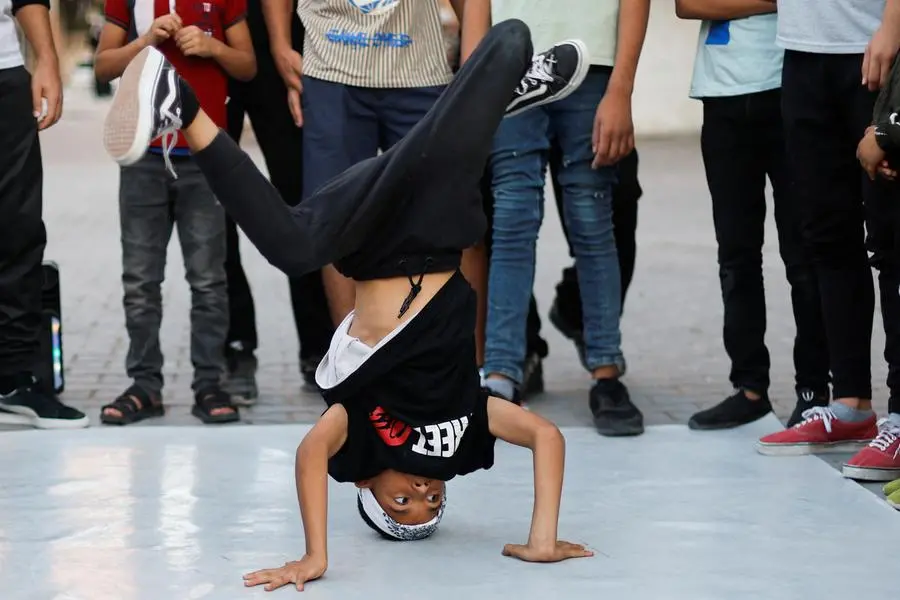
<point>620,428</point>
<point>229,417</point>
<point>692,424</point>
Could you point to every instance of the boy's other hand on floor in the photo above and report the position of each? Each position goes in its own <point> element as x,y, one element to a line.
<point>557,552</point>
<point>297,572</point>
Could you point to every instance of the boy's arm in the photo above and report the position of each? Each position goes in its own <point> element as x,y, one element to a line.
<point>723,10</point>
<point>114,52</point>
<point>236,55</point>
<point>613,135</point>
<point>474,22</point>
<point>520,427</point>
<point>46,85</point>
<point>321,443</point>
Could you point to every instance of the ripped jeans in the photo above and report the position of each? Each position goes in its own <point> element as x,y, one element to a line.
<point>518,164</point>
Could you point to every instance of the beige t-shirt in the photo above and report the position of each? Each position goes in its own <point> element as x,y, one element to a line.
<point>595,22</point>
<point>375,43</point>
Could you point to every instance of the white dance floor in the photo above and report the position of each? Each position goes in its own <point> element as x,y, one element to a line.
<point>180,513</point>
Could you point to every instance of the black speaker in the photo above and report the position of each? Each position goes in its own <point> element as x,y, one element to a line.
<point>50,368</point>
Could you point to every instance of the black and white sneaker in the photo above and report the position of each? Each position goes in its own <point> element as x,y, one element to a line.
<point>553,75</point>
<point>29,406</point>
<point>147,106</point>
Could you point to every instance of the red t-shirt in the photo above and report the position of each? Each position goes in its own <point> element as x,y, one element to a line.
<point>204,75</point>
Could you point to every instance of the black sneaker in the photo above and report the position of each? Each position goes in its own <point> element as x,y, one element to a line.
<point>806,399</point>
<point>241,382</point>
<point>614,412</point>
<point>29,406</point>
<point>147,106</point>
<point>733,411</point>
<point>553,75</point>
<point>308,368</point>
<point>533,375</point>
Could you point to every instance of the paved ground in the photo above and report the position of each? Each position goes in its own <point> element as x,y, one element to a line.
<point>672,320</point>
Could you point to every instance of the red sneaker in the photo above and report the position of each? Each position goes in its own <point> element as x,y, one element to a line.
<point>820,431</point>
<point>880,460</point>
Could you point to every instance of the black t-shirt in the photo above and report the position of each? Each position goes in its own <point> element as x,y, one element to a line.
<point>377,441</point>
<point>416,405</point>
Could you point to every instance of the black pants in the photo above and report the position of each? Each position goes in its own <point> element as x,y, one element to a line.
<point>281,142</point>
<point>743,144</point>
<point>441,158</point>
<point>826,112</point>
<point>625,196</point>
<point>22,233</point>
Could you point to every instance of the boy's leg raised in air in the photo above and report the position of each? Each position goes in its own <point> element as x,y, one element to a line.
<point>451,144</point>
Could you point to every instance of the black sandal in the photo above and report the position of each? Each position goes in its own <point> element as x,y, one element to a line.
<point>209,399</point>
<point>134,404</point>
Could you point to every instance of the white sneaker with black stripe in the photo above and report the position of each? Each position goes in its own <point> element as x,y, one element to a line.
<point>553,75</point>
<point>147,106</point>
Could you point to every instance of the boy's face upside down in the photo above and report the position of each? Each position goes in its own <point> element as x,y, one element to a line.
<point>408,499</point>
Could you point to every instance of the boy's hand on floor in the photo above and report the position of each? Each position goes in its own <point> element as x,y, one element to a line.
<point>297,572</point>
<point>557,552</point>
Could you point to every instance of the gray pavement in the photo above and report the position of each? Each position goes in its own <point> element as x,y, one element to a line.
<point>671,328</point>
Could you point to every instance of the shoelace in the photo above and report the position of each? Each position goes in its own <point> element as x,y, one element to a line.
<point>888,433</point>
<point>171,123</point>
<point>818,413</point>
<point>541,70</point>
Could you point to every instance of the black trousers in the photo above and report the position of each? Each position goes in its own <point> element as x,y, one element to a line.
<point>22,233</point>
<point>439,162</point>
<point>625,196</point>
<point>826,112</point>
<point>743,144</point>
<point>264,100</point>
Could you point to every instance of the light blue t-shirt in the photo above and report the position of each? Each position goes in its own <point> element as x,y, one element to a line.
<point>828,26</point>
<point>737,57</point>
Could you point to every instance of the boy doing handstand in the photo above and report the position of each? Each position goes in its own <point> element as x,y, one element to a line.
<point>406,410</point>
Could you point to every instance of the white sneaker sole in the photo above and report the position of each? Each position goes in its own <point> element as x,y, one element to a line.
<point>581,71</point>
<point>128,125</point>
<point>20,415</point>
<point>869,473</point>
<point>806,449</point>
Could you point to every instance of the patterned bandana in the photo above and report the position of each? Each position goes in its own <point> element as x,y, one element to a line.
<point>369,506</point>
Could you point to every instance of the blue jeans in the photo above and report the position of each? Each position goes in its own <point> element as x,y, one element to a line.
<point>518,163</point>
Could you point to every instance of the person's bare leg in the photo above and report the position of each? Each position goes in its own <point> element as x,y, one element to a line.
<point>474,269</point>
<point>201,132</point>
<point>340,292</point>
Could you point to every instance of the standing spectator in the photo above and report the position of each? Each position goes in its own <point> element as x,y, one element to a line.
<point>204,41</point>
<point>28,104</point>
<point>565,312</point>
<point>264,100</point>
<point>838,55</point>
<point>594,130</point>
<point>737,75</point>
<point>370,71</point>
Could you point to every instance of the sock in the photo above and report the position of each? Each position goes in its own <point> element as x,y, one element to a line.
<point>894,418</point>
<point>190,106</point>
<point>850,415</point>
<point>501,387</point>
